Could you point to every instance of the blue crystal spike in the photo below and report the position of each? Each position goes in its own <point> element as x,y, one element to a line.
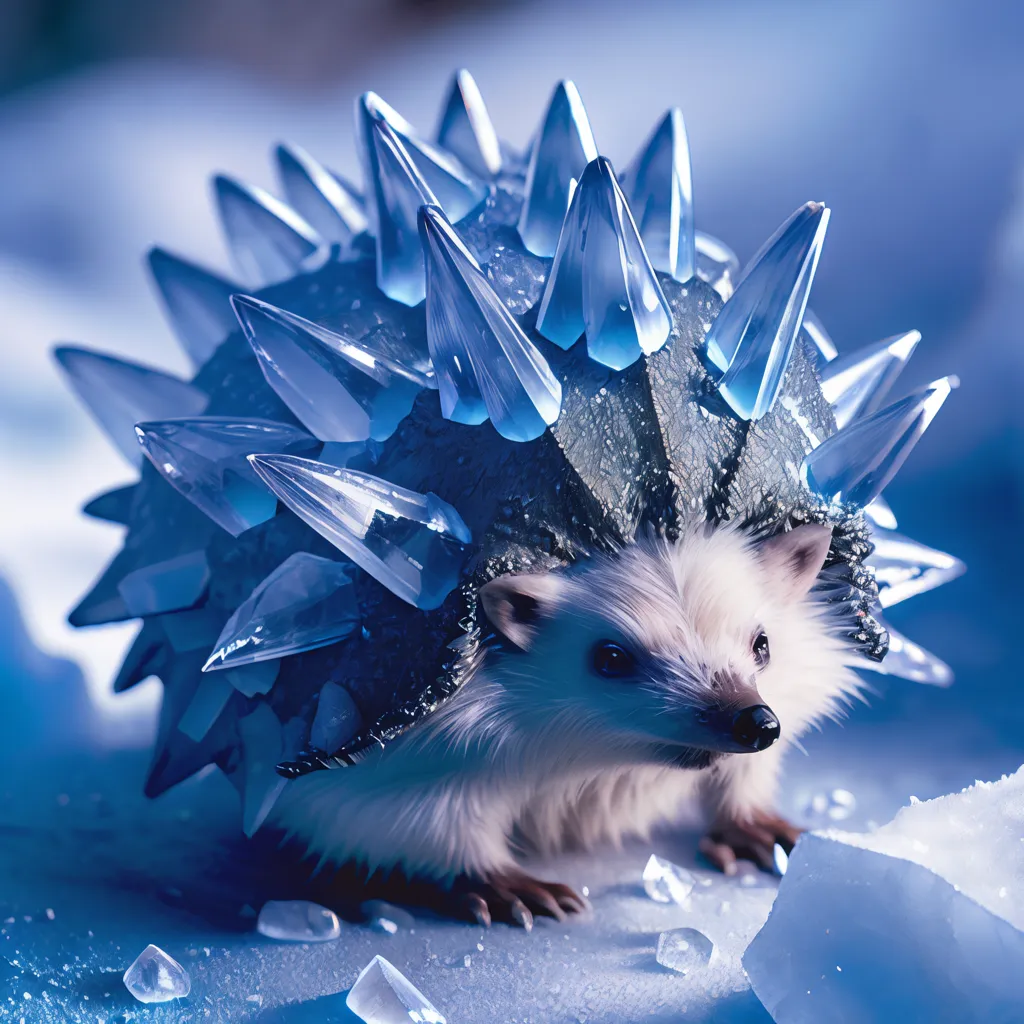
<point>814,329</point>
<point>165,586</point>
<point>905,568</point>
<point>716,264</point>
<point>119,394</point>
<point>263,746</point>
<point>112,506</point>
<point>562,149</point>
<point>337,388</point>
<point>323,199</point>
<point>485,364</point>
<point>197,303</point>
<point>454,188</point>
<point>661,197</point>
<point>601,279</point>
<point>269,241</point>
<point>752,338</point>
<point>306,602</point>
<point>206,706</point>
<point>413,544</point>
<point>856,384</point>
<point>855,464</point>
<point>205,459</point>
<point>466,129</point>
<point>907,660</point>
<point>881,514</point>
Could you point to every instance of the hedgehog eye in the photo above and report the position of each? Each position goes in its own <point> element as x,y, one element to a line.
<point>760,648</point>
<point>612,660</point>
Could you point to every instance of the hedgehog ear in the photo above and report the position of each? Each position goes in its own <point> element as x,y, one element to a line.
<point>794,559</point>
<point>514,605</point>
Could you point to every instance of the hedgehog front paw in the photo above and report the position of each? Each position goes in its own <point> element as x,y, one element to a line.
<point>516,898</point>
<point>750,838</point>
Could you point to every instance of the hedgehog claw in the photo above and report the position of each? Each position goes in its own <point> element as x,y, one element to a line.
<point>753,839</point>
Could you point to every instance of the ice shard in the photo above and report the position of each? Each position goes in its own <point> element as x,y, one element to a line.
<point>411,543</point>
<point>562,149</point>
<point>324,200</point>
<point>856,384</point>
<point>206,706</point>
<point>485,364</point>
<point>905,568</point>
<point>257,678</point>
<point>660,194</point>
<point>814,329</point>
<point>118,394</point>
<point>155,977</point>
<point>205,459</point>
<point>855,464</point>
<point>165,586</point>
<point>908,660</point>
<point>751,340</point>
<point>601,282</point>
<point>716,264</point>
<point>337,387</point>
<point>306,602</point>
<point>879,512</point>
<point>144,658</point>
<point>383,995</point>
<point>263,747</point>
<point>197,303</point>
<point>112,506</point>
<point>269,241</point>
<point>337,719</point>
<point>684,950</point>
<point>665,882</point>
<point>297,921</point>
<point>466,129</point>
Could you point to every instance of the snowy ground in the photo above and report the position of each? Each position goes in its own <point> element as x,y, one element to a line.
<point>898,114</point>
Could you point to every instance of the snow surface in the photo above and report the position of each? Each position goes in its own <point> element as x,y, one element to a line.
<point>918,921</point>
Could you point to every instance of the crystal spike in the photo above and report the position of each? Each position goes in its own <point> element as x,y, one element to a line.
<point>856,464</point>
<point>197,303</point>
<point>661,198</point>
<point>601,281</point>
<point>562,149</point>
<point>907,660</point>
<point>716,264</point>
<point>905,568</point>
<point>119,394</point>
<point>485,364</point>
<point>263,747</point>
<point>165,586</point>
<point>814,329</point>
<point>466,129</point>
<point>752,338</point>
<point>411,543</point>
<point>112,506</point>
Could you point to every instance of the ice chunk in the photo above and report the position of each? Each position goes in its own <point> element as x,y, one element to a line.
<point>684,950</point>
<point>921,920</point>
<point>666,882</point>
<point>297,921</point>
<point>382,995</point>
<point>386,917</point>
<point>156,977</point>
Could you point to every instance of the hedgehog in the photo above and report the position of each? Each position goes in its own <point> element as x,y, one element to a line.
<point>503,513</point>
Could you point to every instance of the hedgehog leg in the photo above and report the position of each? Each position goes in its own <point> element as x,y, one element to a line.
<point>515,898</point>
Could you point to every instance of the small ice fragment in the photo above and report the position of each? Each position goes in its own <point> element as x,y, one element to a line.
<point>666,882</point>
<point>684,950</point>
<point>780,859</point>
<point>386,917</point>
<point>297,921</point>
<point>383,995</point>
<point>156,977</point>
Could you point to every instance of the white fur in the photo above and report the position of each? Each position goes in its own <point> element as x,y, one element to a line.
<point>538,752</point>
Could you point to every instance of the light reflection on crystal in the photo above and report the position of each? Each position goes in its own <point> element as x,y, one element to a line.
<point>907,660</point>
<point>204,459</point>
<point>717,264</point>
<point>856,384</point>
<point>684,950</point>
<point>324,200</point>
<point>879,512</point>
<point>905,568</point>
<point>197,303</point>
<point>856,464</point>
<point>156,977</point>
<point>560,152</point>
<point>814,329</point>
<point>166,586</point>
<point>306,602</point>
<point>665,882</point>
<point>383,995</point>
<point>337,387</point>
<point>752,338</point>
<point>119,394</point>
<point>411,543</point>
<point>466,129</point>
<point>486,366</point>
<point>661,198</point>
<point>601,281</point>
<point>269,241</point>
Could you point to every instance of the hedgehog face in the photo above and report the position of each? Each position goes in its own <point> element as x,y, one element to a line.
<point>663,649</point>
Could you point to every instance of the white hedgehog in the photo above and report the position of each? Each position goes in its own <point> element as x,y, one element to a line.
<point>486,523</point>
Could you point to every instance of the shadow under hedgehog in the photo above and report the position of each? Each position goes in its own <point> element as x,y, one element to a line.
<point>503,513</point>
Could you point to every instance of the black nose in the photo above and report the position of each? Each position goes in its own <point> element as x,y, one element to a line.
<point>756,727</point>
